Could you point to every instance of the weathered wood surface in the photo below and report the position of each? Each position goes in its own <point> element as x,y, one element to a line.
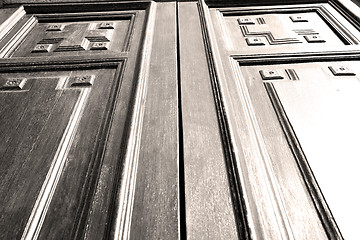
<point>209,207</point>
<point>177,137</point>
<point>156,200</point>
<point>62,162</point>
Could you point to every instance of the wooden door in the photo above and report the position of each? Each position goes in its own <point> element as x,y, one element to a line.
<point>286,85</point>
<point>179,120</point>
<point>78,88</point>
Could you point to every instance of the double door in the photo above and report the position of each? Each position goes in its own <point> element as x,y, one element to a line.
<point>166,120</point>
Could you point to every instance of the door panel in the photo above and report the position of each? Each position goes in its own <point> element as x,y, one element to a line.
<point>173,120</point>
<point>278,122</point>
<point>325,125</point>
<point>47,138</point>
<point>289,28</point>
<point>74,80</point>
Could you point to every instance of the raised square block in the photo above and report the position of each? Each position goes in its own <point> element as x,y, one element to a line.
<point>297,18</point>
<point>106,25</point>
<point>99,46</point>
<point>81,81</point>
<point>314,39</point>
<point>271,74</point>
<point>42,48</point>
<point>245,21</point>
<point>341,71</point>
<point>255,41</point>
<point>14,84</point>
<point>55,27</point>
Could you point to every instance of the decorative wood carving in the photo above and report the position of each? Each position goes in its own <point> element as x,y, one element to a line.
<point>59,164</point>
<point>252,37</point>
<point>303,106</point>
<point>81,81</point>
<point>56,34</point>
<point>304,27</point>
<point>14,84</point>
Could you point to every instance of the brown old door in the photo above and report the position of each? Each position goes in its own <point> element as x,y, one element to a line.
<point>78,111</point>
<point>176,120</point>
<point>287,87</point>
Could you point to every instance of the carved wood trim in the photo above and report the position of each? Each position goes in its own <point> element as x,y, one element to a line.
<point>13,43</point>
<point>239,202</point>
<point>124,194</point>
<point>120,210</point>
<point>346,36</point>
<point>221,62</point>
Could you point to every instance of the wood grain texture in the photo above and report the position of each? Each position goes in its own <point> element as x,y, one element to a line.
<point>322,18</point>
<point>155,211</point>
<point>79,32</point>
<point>25,166</point>
<point>85,196</point>
<point>8,18</point>
<point>271,182</point>
<point>74,191</point>
<point>208,204</point>
<point>290,189</point>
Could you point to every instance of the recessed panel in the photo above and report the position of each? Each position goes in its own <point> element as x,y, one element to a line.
<point>71,37</point>
<point>64,35</point>
<point>51,126</point>
<point>321,102</point>
<point>284,28</point>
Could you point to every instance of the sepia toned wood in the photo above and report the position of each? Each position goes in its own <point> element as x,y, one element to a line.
<point>202,119</point>
<point>321,27</point>
<point>84,161</point>
<point>114,191</point>
<point>80,159</point>
<point>27,164</point>
<point>155,213</point>
<point>271,175</point>
<point>332,96</point>
<point>8,18</point>
<point>79,35</point>
<point>209,205</point>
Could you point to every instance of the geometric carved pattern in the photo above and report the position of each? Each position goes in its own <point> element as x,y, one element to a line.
<point>14,84</point>
<point>246,21</point>
<point>81,81</point>
<point>277,74</point>
<point>42,48</point>
<point>341,71</point>
<point>292,74</point>
<point>252,41</point>
<point>314,39</point>
<point>298,18</point>
<point>269,36</point>
<point>55,27</point>
<point>277,28</point>
<point>305,31</point>
<point>271,74</point>
<point>97,39</point>
<point>80,40</point>
<point>99,46</point>
<point>106,25</point>
<point>260,20</point>
<point>51,41</point>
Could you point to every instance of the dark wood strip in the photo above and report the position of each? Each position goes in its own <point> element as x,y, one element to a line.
<point>28,157</point>
<point>155,211</point>
<point>209,198</point>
